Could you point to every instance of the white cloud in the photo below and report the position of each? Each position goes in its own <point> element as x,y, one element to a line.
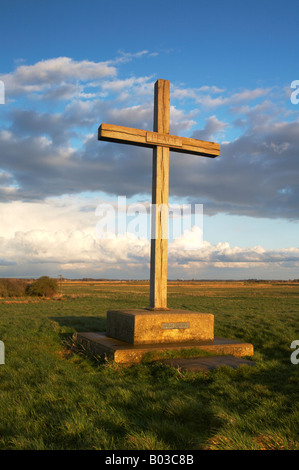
<point>60,233</point>
<point>212,128</point>
<point>128,56</point>
<point>50,73</point>
<point>207,95</point>
<point>118,85</point>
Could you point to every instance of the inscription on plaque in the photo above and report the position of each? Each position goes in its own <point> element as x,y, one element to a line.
<point>164,139</point>
<point>173,326</point>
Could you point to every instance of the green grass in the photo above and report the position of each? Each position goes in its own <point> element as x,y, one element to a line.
<point>53,398</point>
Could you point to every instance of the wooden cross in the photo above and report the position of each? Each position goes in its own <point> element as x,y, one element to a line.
<point>161,142</point>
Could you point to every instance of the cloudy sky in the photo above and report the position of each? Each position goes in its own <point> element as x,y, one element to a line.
<point>67,66</point>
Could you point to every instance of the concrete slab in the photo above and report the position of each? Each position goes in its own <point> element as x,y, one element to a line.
<point>145,326</point>
<point>122,352</point>
<point>206,364</point>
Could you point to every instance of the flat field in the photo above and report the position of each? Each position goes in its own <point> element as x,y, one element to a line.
<point>53,397</point>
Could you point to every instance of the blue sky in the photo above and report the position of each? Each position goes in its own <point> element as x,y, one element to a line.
<point>68,66</point>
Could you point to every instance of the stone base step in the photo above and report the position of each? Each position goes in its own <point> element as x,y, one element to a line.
<point>98,343</point>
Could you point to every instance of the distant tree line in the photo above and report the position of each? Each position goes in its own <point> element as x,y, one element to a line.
<point>42,287</point>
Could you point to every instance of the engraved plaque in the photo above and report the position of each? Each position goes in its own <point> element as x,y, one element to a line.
<point>164,139</point>
<point>173,326</point>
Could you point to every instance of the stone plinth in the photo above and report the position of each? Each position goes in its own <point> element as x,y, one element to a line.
<point>155,327</point>
<point>99,343</point>
<point>135,335</point>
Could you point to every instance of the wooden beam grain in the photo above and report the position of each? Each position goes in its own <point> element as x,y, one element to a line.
<point>160,190</point>
<point>142,138</point>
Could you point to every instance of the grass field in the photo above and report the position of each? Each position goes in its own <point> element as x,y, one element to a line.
<point>55,398</point>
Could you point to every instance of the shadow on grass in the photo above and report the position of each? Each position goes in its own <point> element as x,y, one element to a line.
<point>79,324</point>
<point>82,324</point>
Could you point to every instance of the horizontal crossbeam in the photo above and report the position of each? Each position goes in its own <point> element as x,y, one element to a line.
<point>128,135</point>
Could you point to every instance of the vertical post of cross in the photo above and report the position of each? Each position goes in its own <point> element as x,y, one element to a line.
<point>160,189</point>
